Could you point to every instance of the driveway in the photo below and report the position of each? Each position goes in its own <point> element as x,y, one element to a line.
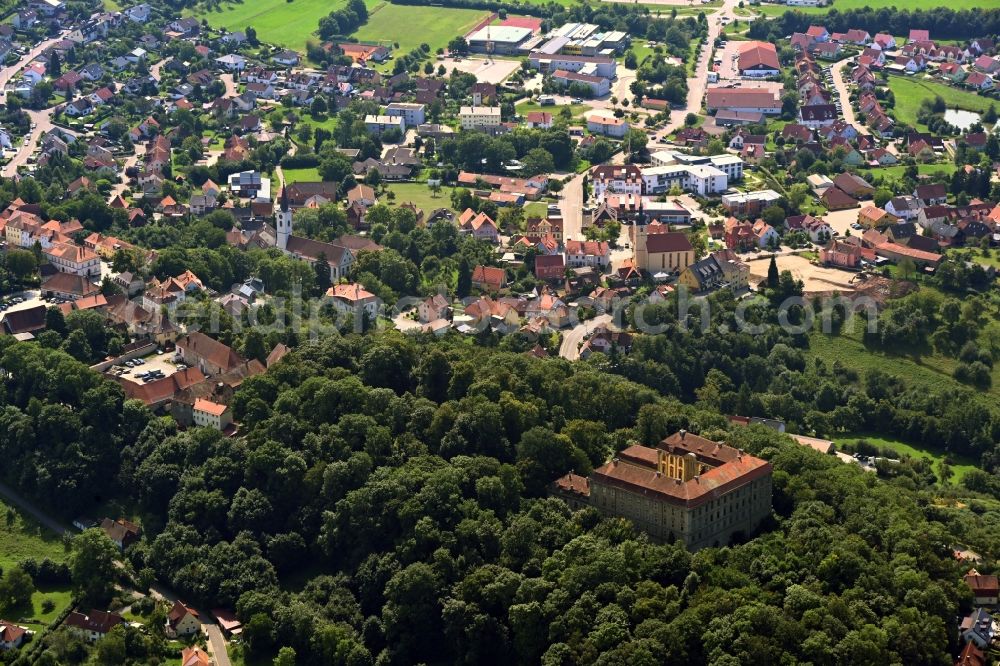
<point>230,83</point>
<point>570,347</point>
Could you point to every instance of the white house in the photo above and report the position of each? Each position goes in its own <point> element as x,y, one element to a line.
<point>232,62</point>
<point>607,125</point>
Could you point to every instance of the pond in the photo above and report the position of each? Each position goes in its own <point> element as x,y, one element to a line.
<point>963,120</point>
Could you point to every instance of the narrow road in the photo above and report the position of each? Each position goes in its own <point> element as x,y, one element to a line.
<point>840,86</point>
<point>32,510</point>
<point>130,161</point>
<point>570,347</point>
<point>217,645</point>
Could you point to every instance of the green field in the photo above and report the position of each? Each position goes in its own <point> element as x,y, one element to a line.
<point>897,172</point>
<point>22,538</point>
<point>301,175</point>
<point>524,108</point>
<point>843,5</point>
<point>288,23</point>
<point>960,466</point>
<point>420,195</point>
<point>411,26</point>
<point>930,371</point>
<point>911,92</point>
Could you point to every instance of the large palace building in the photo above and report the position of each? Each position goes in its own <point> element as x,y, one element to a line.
<point>688,488</point>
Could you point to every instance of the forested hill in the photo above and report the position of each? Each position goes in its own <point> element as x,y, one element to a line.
<point>386,505</point>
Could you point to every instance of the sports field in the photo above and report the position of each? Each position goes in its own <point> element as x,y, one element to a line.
<point>910,92</point>
<point>288,23</point>
<point>411,26</point>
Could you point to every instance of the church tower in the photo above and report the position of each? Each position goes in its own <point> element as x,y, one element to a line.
<point>283,220</point>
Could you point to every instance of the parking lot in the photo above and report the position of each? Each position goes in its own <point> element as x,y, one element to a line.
<point>151,363</point>
<point>28,299</point>
<point>487,71</point>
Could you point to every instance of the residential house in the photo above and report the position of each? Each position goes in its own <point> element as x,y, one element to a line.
<point>479,225</point>
<point>195,656</point>
<point>182,621</point>
<point>433,308</point>
<point>11,635</point>
<point>873,217</point>
<point>217,416</point>
<point>906,207</point>
<point>932,195</point>
<point>984,588</point>
<point>840,254</point>
<point>550,267</point>
<point>979,628</point>
<point>607,125</point>
<point>94,625</point>
<point>587,253</point>
<point>123,532</point>
<point>489,278</point>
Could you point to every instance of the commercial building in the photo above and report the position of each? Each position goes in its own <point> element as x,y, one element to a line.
<point>731,165</point>
<point>498,39</point>
<point>743,99</point>
<point>690,489</point>
<point>758,60</point>
<point>593,65</point>
<point>412,114</point>
<point>700,179</point>
<point>479,117</point>
<point>599,86</point>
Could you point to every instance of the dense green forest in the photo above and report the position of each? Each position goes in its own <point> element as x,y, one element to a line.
<point>386,503</point>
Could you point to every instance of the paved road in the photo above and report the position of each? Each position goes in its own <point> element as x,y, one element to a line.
<point>571,206</point>
<point>570,347</point>
<point>217,645</point>
<point>8,73</point>
<point>43,122</point>
<point>699,82</point>
<point>840,86</point>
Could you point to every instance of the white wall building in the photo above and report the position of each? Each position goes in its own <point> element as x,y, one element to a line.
<point>379,124</point>
<point>412,114</point>
<point>479,117</point>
